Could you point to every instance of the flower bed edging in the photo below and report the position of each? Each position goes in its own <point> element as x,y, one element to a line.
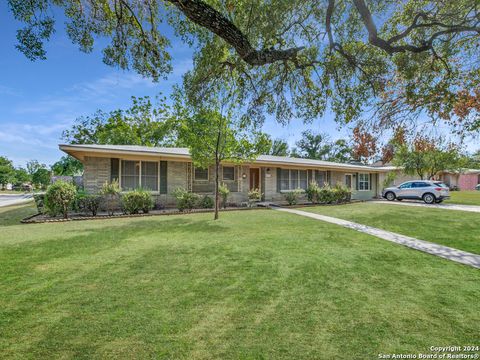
<point>32,219</point>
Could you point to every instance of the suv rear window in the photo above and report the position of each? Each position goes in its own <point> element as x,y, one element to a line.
<point>420,184</point>
<point>441,185</point>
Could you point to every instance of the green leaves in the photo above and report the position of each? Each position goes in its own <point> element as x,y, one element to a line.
<point>142,124</point>
<point>292,60</point>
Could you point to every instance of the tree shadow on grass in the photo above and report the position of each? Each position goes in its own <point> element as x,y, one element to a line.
<point>73,242</point>
<point>12,215</point>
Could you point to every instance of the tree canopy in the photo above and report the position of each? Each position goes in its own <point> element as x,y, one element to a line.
<point>318,146</point>
<point>279,147</point>
<point>391,60</point>
<point>425,157</point>
<point>144,123</point>
<point>7,171</point>
<point>67,166</point>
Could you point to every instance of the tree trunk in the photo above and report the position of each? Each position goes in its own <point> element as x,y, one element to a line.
<point>217,168</point>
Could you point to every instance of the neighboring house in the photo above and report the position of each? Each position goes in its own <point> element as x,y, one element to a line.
<point>76,179</point>
<point>466,179</point>
<point>162,170</point>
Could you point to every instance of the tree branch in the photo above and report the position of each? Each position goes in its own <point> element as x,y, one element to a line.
<point>386,45</point>
<point>206,16</point>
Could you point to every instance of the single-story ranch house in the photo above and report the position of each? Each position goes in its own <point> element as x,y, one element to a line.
<point>162,170</point>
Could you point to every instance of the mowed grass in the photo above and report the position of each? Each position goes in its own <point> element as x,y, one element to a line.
<point>457,229</point>
<point>11,215</point>
<point>252,285</point>
<point>464,197</point>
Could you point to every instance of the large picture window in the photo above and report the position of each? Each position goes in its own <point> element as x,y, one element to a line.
<point>228,173</point>
<point>320,177</point>
<point>293,179</point>
<point>130,174</point>
<point>364,182</point>
<point>201,174</point>
<point>150,175</point>
<point>136,174</point>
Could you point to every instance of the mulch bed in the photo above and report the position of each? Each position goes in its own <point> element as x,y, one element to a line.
<point>42,218</point>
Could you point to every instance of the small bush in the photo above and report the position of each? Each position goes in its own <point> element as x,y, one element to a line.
<point>88,203</point>
<point>137,200</point>
<point>111,190</point>
<point>313,192</point>
<point>206,202</point>
<point>59,198</point>
<point>292,196</point>
<point>326,195</point>
<point>341,193</point>
<point>224,192</point>
<point>185,200</point>
<point>39,202</point>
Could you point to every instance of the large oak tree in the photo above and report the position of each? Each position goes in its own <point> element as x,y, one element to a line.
<point>289,58</point>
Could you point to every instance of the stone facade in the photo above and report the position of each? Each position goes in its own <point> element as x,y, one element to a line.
<point>96,173</point>
<point>180,174</point>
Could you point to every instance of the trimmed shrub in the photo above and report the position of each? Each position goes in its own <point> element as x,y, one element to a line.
<point>185,200</point>
<point>326,195</point>
<point>206,202</point>
<point>137,200</point>
<point>313,192</point>
<point>341,193</point>
<point>111,190</point>
<point>39,202</point>
<point>254,196</point>
<point>224,192</point>
<point>88,203</point>
<point>292,196</point>
<point>59,198</point>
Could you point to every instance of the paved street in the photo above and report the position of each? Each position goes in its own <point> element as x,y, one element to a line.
<point>13,199</point>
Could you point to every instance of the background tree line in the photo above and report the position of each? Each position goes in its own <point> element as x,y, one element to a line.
<point>35,173</point>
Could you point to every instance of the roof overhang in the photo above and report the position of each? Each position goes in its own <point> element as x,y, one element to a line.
<point>81,152</point>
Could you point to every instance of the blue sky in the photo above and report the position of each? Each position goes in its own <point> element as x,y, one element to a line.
<point>38,100</point>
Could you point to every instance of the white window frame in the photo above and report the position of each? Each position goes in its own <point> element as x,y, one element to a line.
<point>195,177</point>
<point>314,177</point>
<point>234,175</point>
<point>290,180</point>
<point>120,168</point>
<point>369,187</point>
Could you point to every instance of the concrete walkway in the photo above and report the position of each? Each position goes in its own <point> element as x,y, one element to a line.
<point>458,207</point>
<point>445,252</point>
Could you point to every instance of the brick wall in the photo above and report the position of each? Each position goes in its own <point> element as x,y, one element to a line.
<point>468,181</point>
<point>96,173</point>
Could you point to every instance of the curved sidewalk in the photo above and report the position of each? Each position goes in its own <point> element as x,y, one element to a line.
<point>462,257</point>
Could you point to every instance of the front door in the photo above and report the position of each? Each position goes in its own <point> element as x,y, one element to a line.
<point>348,181</point>
<point>254,178</point>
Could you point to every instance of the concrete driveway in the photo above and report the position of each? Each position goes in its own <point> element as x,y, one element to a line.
<point>471,208</point>
<point>14,199</point>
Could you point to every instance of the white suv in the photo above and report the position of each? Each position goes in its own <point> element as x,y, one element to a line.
<point>428,191</point>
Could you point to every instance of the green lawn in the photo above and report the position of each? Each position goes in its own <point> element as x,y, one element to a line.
<point>253,285</point>
<point>11,215</point>
<point>464,197</point>
<point>457,229</point>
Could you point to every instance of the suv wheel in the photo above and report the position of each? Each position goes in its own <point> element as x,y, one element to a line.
<point>390,196</point>
<point>428,198</point>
